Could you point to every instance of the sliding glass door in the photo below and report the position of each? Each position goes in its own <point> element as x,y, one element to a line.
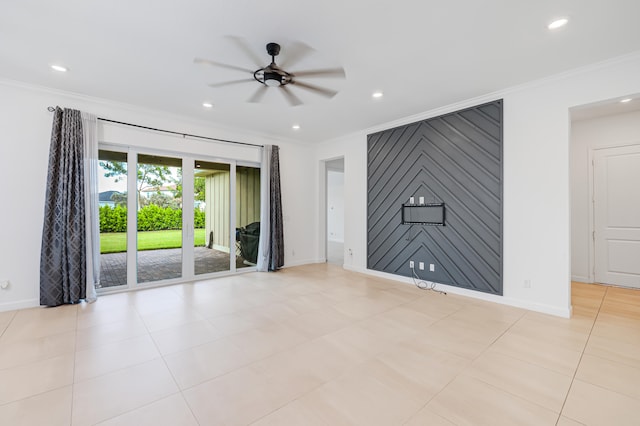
<point>174,218</point>
<point>112,185</point>
<point>247,215</point>
<point>159,218</point>
<point>211,219</point>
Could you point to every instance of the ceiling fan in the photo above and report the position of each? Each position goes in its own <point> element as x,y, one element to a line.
<point>274,75</point>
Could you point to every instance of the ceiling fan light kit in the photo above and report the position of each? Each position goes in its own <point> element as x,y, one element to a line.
<point>274,76</point>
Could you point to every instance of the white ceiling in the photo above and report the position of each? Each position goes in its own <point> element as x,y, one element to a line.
<point>606,108</point>
<point>421,53</point>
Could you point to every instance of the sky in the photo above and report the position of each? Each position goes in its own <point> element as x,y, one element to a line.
<point>109,184</point>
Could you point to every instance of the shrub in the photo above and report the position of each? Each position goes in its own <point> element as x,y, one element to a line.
<point>198,219</point>
<point>150,218</point>
<point>113,219</point>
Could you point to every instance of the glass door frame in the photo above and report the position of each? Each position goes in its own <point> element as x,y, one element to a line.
<point>188,258</point>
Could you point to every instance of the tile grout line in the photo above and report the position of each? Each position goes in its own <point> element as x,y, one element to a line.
<point>575,373</point>
<point>161,356</point>
<point>470,362</point>
<point>587,330</point>
<point>164,361</point>
<point>358,364</point>
<point>454,377</point>
<point>15,314</point>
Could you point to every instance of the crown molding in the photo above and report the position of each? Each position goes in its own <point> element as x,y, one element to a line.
<point>489,97</point>
<point>253,137</point>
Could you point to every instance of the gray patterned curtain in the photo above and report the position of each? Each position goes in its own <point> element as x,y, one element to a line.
<point>63,253</point>
<point>276,258</point>
<point>271,246</point>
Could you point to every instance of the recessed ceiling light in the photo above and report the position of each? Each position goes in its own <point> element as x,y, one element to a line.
<point>377,94</point>
<point>295,127</point>
<point>558,23</point>
<point>58,68</point>
<point>624,101</point>
<point>207,105</point>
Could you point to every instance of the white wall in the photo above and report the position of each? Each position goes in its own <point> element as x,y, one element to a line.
<point>25,129</point>
<point>536,180</point>
<point>587,135</point>
<point>335,206</point>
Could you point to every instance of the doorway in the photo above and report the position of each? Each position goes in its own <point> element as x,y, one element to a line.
<point>605,203</point>
<point>335,211</point>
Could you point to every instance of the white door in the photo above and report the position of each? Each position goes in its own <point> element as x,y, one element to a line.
<point>616,191</point>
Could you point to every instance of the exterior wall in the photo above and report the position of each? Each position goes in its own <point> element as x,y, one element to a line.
<point>247,195</point>
<point>217,210</point>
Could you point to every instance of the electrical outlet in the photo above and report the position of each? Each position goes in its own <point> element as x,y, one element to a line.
<point>411,264</point>
<point>527,283</point>
<point>421,266</point>
<point>4,284</point>
<point>421,200</point>
<point>412,200</point>
<point>432,267</point>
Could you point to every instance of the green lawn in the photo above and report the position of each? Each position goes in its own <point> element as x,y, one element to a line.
<point>116,242</point>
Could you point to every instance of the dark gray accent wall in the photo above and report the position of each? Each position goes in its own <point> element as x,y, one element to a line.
<point>455,159</point>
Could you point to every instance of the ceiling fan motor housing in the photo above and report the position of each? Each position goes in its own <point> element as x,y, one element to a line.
<point>273,49</point>
<point>271,75</point>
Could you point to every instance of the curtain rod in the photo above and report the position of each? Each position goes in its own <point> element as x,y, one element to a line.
<point>51,109</point>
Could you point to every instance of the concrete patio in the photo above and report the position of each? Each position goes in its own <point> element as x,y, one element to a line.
<point>156,265</point>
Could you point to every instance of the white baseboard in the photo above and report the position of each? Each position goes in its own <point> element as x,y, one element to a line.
<point>19,304</point>
<point>353,268</point>
<point>303,262</point>
<point>580,279</point>
<point>532,306</point>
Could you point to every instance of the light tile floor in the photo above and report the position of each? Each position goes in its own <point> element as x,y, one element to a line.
<point>316,345</point>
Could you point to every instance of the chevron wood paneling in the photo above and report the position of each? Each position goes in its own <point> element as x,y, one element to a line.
<point>455,159</point>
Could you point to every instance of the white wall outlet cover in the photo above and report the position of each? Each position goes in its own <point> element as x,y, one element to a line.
<point>432,267</point>
<point>411,264</point>
<point>421,200</point>
<point>4,284</point>
<point>421,266</point>
<point>412,200</point>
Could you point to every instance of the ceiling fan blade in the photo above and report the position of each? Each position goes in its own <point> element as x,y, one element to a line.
<point>291,98</point>
<point>259,94</point>
<point>294,53</point>
<point>242,45</point>
<point>328,72</point>
<point>315,89</point>
<point>229,83</point>
<point>221,65</point>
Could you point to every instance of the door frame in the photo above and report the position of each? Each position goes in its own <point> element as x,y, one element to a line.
<point>592,225</point>
<point>324,202</point>
<point>188,274</point>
